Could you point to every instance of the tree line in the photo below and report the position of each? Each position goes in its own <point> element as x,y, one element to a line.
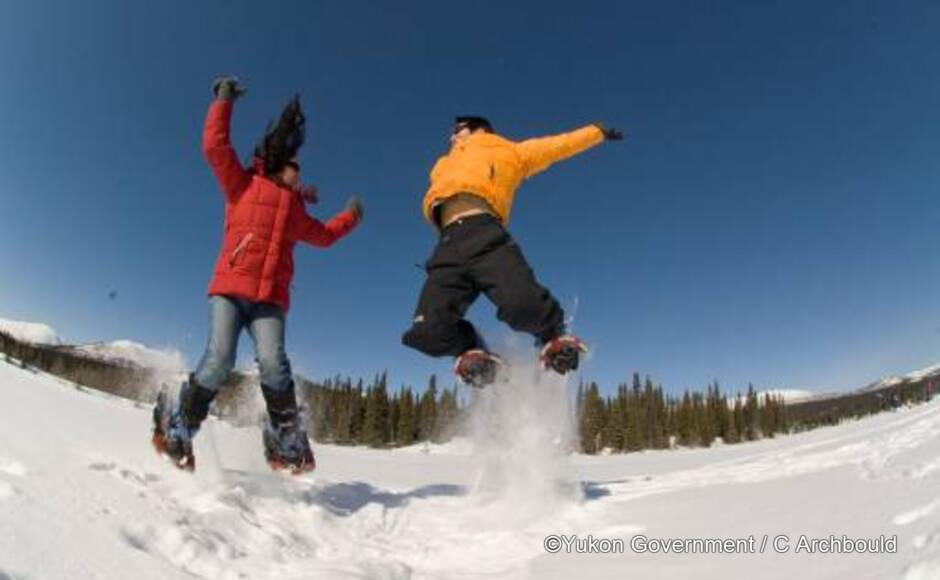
<point>641,416</point>
<point>347,413</point>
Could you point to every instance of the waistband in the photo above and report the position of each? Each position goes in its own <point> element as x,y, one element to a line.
<point>479,218</point>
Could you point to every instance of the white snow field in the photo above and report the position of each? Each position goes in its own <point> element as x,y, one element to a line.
<point>83,496</point>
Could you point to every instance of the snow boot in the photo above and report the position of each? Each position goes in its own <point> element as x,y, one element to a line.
<point>562,354</point>
<point>286,445</point>
<point>477,367</point>
<point>175,426</point>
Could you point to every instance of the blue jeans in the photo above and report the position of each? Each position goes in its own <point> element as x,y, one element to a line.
<point>265,324</point>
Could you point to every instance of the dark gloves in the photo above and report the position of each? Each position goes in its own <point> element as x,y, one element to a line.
<point>355,206</point>
<point>610,134</point>
<point>227,89</point>
<point>309,193</point>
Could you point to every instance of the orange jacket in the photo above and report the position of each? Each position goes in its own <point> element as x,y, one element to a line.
<point>263,222</point>
<point>492,167</point>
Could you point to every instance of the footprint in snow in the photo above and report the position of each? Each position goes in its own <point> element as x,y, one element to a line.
<point>139,479</point>
<point>915,514</point>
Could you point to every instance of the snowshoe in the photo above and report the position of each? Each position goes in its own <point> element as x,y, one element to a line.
<point>287,448</point>
<point>174,426</point>
<point>477,368</point>
<point>169,439</point>
<point>562,354</point>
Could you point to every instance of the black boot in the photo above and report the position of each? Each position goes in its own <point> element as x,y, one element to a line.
<point>286,445</point>
<point>194,403</point>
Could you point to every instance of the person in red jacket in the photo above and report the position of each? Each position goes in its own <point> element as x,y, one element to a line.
<point>265,217</point>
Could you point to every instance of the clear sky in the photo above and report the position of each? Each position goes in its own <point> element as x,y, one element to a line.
<point>772,216</point>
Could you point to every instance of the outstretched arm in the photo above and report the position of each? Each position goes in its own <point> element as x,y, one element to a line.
<point>538,154</point>
<point>317,233</point>
<point>217,145</point>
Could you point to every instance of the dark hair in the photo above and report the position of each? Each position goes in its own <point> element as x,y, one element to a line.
<point>474,122</point>
<point>283,139</point>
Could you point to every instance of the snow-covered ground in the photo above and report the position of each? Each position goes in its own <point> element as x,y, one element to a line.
<point>82,495</point>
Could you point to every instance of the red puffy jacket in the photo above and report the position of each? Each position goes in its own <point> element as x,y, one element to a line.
<point>263,221</point>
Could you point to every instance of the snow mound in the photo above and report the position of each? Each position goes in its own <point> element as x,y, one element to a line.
<point>33,332</point>
<point>132,352</point>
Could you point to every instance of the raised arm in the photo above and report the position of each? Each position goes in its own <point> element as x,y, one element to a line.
<point>538,154</point>
<point>217,145</point>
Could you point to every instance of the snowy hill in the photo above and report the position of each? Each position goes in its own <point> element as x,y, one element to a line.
<point>83,496</point>
<point>32,332</point>
<point>135,353</point>
<point>927,372</point>
<point>119,351</point>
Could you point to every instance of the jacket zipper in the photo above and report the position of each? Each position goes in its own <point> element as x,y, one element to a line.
<point>239,247</point>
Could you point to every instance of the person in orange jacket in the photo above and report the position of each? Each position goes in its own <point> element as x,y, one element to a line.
<point>469,202</point>
<point>265,217</point>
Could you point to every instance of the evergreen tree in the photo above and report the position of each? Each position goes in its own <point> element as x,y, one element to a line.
<point>357,411</point>
<point>703,420</point>
<point>750,414</point>
<point>592,420</point>
<point>740,424</point>
<point>632,421</point>
<point>660,420</point>
<point>407,418</point>
<point>427,412</point>
<point>394,410</point>
<point>446,415</point>
<point>781,421</point>
<point>685,421</point>
<point>768,416</point>
<point>614,428</point>
<point>375,424</point>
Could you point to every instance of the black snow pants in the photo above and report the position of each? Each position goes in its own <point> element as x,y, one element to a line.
<point>476,254</point>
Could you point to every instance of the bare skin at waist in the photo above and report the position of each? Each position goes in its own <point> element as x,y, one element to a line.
<point>460,206</point>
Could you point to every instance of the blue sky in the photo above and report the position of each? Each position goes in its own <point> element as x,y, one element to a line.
<point>772,216</point>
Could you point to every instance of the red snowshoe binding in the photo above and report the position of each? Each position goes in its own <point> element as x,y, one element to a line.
<point>477,367</point>
<point>562,354</point>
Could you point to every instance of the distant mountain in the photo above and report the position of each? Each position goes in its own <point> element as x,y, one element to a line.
<point>926,372</point>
